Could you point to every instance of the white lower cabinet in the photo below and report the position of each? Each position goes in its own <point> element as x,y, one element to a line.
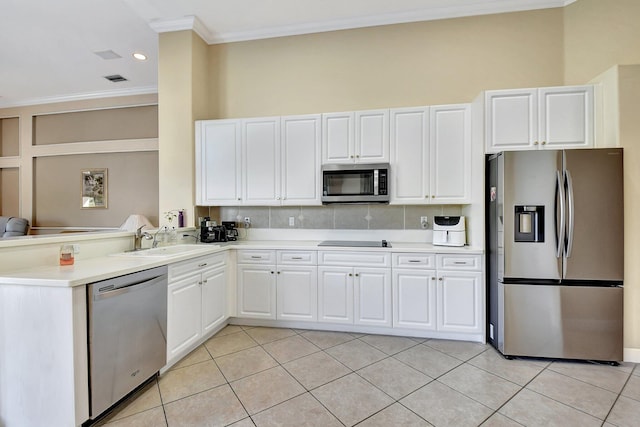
<point>257,291</point>
<point>442,292</point>
<point>283,290</point>
<point>460,301</point>
<point>335,294</point>
<point>358,295</point>
<point>196,302</point>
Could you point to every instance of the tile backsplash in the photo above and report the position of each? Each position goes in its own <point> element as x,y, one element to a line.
<point>339,217</point>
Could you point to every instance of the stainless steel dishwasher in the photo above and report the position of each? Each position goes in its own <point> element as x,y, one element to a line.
<point>127,334</point>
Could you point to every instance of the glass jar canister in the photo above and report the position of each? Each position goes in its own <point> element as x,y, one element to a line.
<point>66,255</point>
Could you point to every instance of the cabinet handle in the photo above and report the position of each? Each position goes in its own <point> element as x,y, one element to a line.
<point>414,260</point>
<point>460,262</point>
<point>200,283</point>
<point>202,265</point>
<point>256,256</point>
<point>204,281</point>
<point>296,257</point>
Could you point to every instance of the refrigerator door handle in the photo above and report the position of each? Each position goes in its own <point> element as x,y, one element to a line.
<point>560,227</point>
<point>570,209</point>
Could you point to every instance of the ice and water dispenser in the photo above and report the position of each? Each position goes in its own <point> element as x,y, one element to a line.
<point>529,223</point>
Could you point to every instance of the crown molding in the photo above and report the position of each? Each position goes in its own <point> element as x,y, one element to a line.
<point>144,90</point>
<point>185,23</point>
<point>431,14</point>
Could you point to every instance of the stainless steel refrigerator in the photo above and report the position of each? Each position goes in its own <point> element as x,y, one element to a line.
<point>555,253</point>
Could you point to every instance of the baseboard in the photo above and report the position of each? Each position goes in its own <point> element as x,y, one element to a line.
<point>631,355</point>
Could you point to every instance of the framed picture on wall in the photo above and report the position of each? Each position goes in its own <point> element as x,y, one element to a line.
<point>94,188</point>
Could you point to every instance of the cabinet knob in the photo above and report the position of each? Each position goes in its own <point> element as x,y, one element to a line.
<point>278,272</point>
<point>357,275</point>
<point>357,156</point>
<point>440,278</point>
<point>433,278</point>
<point>239,198</point>
<point>543,142</point>
<point>535,142</point>
<point>350,274</point>
<point>351,157</point>
<point>272,272</point>
<point>204,281</point>
<point>278,198</point>
<point>433,196</point>
<point>202,265</point>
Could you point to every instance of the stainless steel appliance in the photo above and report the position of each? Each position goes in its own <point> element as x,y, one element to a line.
<point>555,253</point>
<point>127,334</point>
<point>357,183</point>
<point>449,231</point>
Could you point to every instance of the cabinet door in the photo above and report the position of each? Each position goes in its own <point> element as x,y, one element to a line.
<point>372,136</point>
<point>566,117</point>
<point>300,151</point>
<point>338,138</point>
<point>335,294</point>
<point>218,162</point>
<point>257,291</point>
<point>414,299</point>
<point>214,298</point>
<point>184,316</point>
<point>511,119</point>
<point>460,299</point>
<point>261,161</point>
<point>410,155</point>
<point>450,154</point>
<point>297,293</point>
<point>372,294</point>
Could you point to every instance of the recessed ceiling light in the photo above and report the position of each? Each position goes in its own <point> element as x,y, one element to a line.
<point>140,56</point>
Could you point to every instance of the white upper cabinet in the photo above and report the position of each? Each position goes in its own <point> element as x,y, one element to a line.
<point>410,155</point>
<point>430,154</point>
<point>566,117</point>
<point>338,137</point>
<point>300,160</point>
<point>260,161</point>
<point>218,162</point>
<point>545,118</point>
<point>355,137</point>
<point>450,131</point>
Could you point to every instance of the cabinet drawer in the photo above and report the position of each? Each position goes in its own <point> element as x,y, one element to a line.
<point>297,257</point>
<point>196,265</point>
<point>256,257</point>
<point>459,262</point>
<point>355,259</point>
<point>414,260</point>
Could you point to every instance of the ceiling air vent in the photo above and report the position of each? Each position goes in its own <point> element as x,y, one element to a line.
<point>107,54</point>
<point>115,78</point>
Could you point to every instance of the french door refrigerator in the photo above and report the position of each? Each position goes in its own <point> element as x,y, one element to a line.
<point>555,253</point>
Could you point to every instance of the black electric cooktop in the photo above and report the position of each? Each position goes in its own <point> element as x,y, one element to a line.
<point>356,243</point>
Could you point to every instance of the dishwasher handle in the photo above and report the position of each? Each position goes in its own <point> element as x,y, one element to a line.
<point>109,292</point>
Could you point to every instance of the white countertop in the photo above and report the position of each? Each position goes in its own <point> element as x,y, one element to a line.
<point>105,267</point>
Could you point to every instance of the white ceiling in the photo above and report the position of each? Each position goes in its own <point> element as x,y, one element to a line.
<point>47,48</point>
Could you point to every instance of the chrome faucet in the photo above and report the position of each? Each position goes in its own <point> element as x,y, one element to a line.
<point>137,243</point>
<point>155,242</point>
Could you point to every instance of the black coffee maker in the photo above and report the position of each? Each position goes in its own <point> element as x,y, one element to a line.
<point>232,232</point>
<point>212,233</point>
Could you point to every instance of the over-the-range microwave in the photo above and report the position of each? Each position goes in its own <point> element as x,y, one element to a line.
<point>357,183</point>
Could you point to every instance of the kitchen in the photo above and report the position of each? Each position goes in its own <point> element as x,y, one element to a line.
<point>257,91</point>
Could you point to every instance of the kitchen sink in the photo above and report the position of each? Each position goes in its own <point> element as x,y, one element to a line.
<point>167,251</point>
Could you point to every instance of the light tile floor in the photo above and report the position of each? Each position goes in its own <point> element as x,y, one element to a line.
<point>247,376</point>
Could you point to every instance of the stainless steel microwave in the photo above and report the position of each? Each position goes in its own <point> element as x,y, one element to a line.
<point>358,183</point>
